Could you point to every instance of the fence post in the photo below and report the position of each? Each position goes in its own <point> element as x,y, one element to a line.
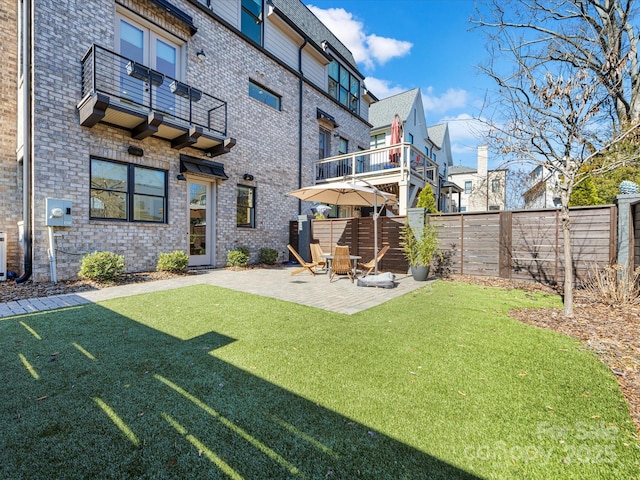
<point>505,245</point>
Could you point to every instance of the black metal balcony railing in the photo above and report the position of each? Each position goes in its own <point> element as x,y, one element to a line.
<point>138,86</point>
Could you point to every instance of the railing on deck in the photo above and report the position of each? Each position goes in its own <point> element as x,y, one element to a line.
<point>398,159</point>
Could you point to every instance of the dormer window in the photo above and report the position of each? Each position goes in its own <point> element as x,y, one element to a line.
<point>344,87</point>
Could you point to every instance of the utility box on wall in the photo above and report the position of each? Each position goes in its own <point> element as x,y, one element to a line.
<point>58,212</point>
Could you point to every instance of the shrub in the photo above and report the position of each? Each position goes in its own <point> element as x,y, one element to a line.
<point>268,256</point>
<point>614,285</point>
<point>238,257</point>
<point>101,266</point>
<point>175,262</point>
<point>443,262</point>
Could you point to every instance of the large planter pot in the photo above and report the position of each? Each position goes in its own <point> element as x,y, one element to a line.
<point>420,273</point>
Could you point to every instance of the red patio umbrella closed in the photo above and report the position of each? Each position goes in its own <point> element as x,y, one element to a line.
<point>396,138</point>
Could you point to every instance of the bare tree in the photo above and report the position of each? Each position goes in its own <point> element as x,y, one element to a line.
<point>568,87</point>
<point>595,36</point>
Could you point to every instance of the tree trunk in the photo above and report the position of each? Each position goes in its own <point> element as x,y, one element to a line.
<point>568,260</point>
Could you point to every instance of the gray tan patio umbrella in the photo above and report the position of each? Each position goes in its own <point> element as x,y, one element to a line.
<point>344,193</point>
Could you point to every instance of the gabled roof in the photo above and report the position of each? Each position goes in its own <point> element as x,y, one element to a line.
<point>458,169</point>
<point>381,113</point>
<point>299,14</point>
<point>437,134</point>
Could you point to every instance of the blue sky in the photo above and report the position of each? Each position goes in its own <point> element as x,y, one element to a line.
<point>426,44</point>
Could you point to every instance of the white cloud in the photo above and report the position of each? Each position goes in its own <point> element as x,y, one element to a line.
<point>382,88</point>
<point>464,129</point>
<point>453,98</point>
<point>367,50</point>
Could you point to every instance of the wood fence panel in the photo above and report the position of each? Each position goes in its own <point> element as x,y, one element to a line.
<point>522,245</point>
<point>534,245</point>
<point>481,237</point>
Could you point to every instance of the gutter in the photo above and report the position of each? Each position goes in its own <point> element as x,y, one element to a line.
<point>27,101</point>
<point>300,87</point>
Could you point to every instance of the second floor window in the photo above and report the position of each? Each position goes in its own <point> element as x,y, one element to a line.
<point>377,141</point>
<point>265,96</point>
<point>251,22</point>
<point>495,185</point>
<point>344,87</point>
<point>467,187</point>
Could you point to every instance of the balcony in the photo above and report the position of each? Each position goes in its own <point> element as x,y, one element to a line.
<point>402,170</point>
<point>121,92</point>
<point>399,162</point>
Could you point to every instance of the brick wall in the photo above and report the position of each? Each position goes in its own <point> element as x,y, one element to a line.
<point>267,139</point>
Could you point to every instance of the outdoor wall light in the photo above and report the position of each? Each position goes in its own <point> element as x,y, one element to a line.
<point>248,177</point>
<point>181,177</point>
<point>201,55</point>
<point>135,151</point>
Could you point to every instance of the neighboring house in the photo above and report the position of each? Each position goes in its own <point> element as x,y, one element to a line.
<point>441,154</point>
<point>403,170</point>
<point>543,191</point>
<point>481,189</point>
<point>147,126</point>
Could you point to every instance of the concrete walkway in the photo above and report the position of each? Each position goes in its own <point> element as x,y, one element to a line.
<point>340,296</point>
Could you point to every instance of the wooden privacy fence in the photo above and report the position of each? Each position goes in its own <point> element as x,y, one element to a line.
<point>521,245</point>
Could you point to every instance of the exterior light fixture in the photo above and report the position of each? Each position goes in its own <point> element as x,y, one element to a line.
<point>248,177</point>
<point>181,177</point>
<point>201,55</point>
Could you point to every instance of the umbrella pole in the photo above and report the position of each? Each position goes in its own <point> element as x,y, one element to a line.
<point>375,231</point>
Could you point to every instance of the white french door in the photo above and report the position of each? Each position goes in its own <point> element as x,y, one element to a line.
<point>201,222</point>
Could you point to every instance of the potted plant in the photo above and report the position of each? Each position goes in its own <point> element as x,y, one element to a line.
<point>419,250</point>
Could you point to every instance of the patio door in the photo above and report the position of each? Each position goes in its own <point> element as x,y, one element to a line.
<point>201,222</point>
<point>141,44</point>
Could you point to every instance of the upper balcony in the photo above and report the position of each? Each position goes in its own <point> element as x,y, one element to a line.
<point>399,163</point>
<point>119,91</point>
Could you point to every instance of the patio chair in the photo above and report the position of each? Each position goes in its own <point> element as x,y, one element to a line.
<point>341,263</point>
<point>317,256</point>
<point>305,265</point>
<point>371,264</point>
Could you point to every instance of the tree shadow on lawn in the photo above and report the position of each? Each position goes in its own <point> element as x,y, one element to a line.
<point>89,393</point>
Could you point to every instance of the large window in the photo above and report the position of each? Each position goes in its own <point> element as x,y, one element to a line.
<point>265,96</point>
<point>121,191</point>
<point>251,22</point>
<point>323,144</point>
<point>246,213</point>
<point>378,141</point>
<point>344,87</point>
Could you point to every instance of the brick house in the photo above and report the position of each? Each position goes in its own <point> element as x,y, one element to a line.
<point>146,126</point>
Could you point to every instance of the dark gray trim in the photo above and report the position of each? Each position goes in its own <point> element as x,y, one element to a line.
<point>176,13</point>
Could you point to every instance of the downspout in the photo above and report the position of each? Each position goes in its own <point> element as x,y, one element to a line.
<point>27,104</point>
<point>300,85</point>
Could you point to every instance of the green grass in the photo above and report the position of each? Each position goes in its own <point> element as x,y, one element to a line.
<point>204,382</point>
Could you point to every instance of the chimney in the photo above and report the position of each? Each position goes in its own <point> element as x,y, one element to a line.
<point>483,160</point>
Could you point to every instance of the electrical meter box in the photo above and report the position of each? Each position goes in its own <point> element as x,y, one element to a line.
<point>58,212</point>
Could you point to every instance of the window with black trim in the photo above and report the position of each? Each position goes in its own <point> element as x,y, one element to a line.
<point>251,20</point>
<point>263,95</point>
<point>344,87</point>
<point>246,210</point>
<point>122,191</point>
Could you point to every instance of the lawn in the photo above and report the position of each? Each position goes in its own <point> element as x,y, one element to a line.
<point>204,382</point>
